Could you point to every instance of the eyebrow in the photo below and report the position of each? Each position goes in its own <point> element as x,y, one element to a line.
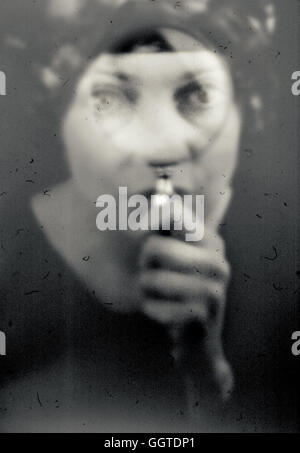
<point>124,77</point>
<point>190,76</point>
<point>187,77</point>
<point>121,76</point>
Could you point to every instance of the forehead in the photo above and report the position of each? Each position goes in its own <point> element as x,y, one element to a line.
<point>160,56</point>
<point>160,66</point>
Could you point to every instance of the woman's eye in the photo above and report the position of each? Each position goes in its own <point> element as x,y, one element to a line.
<point>191,98</point>
<point>108,101</point>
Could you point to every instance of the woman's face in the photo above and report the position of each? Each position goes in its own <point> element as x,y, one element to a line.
<point>134,113</point>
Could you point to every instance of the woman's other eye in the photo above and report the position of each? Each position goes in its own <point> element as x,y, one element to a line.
<point>191,98</point>
<point>109,100</point>
<point>197,98</point>
<point>111,106</point>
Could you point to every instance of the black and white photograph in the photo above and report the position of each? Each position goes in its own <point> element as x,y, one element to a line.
<point>149,217</point>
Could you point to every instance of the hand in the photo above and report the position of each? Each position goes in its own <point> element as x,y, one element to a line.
<point>183,287</point>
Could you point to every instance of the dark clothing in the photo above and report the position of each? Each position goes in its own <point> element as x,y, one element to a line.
<point>68,353</point>
<point>73,364</point>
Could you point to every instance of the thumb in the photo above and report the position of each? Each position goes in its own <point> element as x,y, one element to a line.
<point>220,370</point>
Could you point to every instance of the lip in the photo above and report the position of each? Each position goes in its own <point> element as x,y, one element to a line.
<point>152,191</point>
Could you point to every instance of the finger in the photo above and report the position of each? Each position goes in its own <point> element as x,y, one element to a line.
<point>193,221</point>
<point>187,220</point>
<point>223,376</point>
<point>218,380</point>
<point>219,365</point>
<point>170,313</point>
<point>169,253</point>
<point>179,287</point>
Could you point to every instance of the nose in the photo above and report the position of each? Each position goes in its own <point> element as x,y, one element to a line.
<point>170,139</point>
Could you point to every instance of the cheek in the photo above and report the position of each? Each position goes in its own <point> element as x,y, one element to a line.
<point>88,140</point>
<point>220,159</point>
<point>216,166</point>
<point>99,161</point>
<point>91,154</point>
<point>105,140</point>
<point>211,121</point>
